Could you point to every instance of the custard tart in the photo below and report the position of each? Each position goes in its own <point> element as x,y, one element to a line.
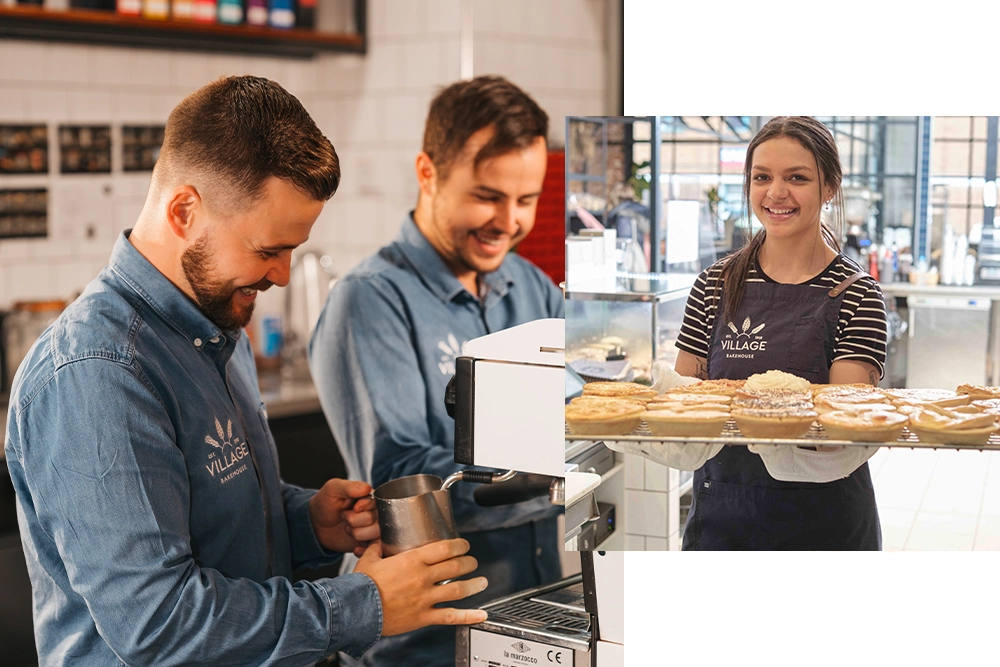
<point>869,426</point>
<point>698,423</point>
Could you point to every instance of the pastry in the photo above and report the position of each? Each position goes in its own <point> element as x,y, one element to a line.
<point>768,399</point>
<point>855,386</point>
<point>692,399</point>
<point>721,387</point>
<point>774,423</point>
<point>979,392</point>
<point>933,424</point>
<point>869,426</point>
<point>776,380</point>
<point>822,407</point>
<point>833,399</point>
<point>988,405</point>
<point>608,418</point>
<point>607,400</point>
<point>619,390</point>
<point>699,423</point>
<point>941,397</point>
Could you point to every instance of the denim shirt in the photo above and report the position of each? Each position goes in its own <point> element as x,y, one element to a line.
<point>381,355</point>
<point>155,525</point>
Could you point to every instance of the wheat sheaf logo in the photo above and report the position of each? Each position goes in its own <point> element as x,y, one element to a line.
<point>521,647</point>
<point>225,464</point>
<point>746,328</point>
<point>226,438</point>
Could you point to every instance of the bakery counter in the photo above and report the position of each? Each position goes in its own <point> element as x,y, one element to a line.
<point>288,397</point>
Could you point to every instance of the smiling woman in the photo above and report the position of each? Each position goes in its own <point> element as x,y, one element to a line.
<point>818,317</point>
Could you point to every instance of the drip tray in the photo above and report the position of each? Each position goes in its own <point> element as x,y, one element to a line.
<point>546,614</point>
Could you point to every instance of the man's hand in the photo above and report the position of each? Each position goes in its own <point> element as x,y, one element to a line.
<point>406,584</point>
<point>343,516</point>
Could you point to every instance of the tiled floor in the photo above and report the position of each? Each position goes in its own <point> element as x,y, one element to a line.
<point>937,500</point>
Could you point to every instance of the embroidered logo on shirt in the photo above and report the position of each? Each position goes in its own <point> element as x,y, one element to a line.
<point>224,464</point>
<point>743,342</point>
<point>451,350</point>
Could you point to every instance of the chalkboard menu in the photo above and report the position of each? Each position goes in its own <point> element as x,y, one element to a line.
<point>24,149</point>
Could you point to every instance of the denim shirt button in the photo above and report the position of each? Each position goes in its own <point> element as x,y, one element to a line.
<point>213,340</point>
<point>197,342</point>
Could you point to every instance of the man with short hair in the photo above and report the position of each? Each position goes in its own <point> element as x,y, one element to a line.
<point>384,348</point>
<point>155,524</point>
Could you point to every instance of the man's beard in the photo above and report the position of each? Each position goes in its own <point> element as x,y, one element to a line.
<point>215,299</point>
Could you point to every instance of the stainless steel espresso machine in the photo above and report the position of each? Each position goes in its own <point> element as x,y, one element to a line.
<point>507,401</point>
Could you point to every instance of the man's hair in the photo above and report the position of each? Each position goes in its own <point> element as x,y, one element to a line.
<point>464,108</point>
<point>233,134</point>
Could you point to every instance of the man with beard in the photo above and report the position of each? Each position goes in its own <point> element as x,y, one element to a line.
<point>385,345</point>
<point>155,524</point>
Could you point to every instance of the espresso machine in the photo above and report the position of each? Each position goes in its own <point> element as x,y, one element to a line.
<point>507,399</point>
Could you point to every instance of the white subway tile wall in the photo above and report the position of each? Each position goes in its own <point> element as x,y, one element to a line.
<point>372,107</point>
<point>652,495</point>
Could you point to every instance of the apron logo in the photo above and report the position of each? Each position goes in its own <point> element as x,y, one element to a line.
<point>231,452</point>
<point>742,343</point>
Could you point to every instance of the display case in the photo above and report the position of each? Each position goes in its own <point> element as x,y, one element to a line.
<point>617,335</point>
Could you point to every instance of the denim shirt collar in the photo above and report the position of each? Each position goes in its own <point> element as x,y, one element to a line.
<point>429,265</point>
<point>165,298</point>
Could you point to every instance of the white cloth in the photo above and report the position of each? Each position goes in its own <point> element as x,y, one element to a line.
<point>789,463</point>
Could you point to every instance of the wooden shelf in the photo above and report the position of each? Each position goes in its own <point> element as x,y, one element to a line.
<point>109,28</point>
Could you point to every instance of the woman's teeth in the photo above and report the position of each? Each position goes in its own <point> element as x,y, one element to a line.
<point>780,211</point>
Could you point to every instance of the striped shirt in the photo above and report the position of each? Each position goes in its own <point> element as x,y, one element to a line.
<point>861,333</point>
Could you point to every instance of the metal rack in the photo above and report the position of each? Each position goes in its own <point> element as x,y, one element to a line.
<point>643,443</point>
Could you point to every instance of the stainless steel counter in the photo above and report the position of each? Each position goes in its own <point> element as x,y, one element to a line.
<point>956,334</point>
<point>961,291</point>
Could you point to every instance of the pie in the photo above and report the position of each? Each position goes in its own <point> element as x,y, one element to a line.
<point>979,392</point>
<point>774,423</point>
<point>776,380</point>
<point>773,399</point>
<point>700,423</point>
<point>721,387</point>
<point>837,388</point>
<point>833,399</point>
<point>607,400</point>
<point>605,418</point>
<point>935,424</point>
<point>988,405</point>
<point>941,397</point>
<point>691,399</point>
<point>869,426</point>
<point>619,390</point>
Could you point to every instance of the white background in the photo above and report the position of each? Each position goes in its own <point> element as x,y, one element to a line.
<point>843,58</point>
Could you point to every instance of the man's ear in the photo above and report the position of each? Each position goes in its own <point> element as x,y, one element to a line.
<point>182,206</point>
<point>426,174</point>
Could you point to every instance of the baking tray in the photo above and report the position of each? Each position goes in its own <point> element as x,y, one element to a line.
<point>642,438</point>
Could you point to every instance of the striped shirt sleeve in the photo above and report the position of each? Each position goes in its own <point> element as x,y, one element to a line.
<point>699,314</point>
<point>862,332</point>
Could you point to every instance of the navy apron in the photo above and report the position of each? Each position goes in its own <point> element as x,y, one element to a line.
<point>736,504</point>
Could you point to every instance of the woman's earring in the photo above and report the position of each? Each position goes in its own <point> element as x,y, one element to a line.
<point>827,207</point>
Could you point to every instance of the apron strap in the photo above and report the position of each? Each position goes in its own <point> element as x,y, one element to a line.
<point>847,283</point>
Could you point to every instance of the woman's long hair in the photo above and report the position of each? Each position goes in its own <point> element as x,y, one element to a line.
<point>818,140</point>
